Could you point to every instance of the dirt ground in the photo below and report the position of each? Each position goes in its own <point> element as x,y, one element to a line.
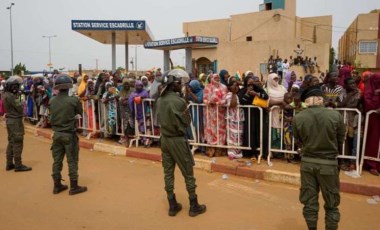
<point>127,193</point>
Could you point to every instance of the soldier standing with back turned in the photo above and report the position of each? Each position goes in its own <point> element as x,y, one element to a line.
<point>64,110</point>
<point>321,133</point>
<point>174,118</point>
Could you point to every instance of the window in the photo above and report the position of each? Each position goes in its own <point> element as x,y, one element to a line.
<point>368,47</point>
<point>249,38</point>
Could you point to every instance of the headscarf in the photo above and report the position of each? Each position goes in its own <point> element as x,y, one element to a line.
<point>247,72</point>
<point>124,92</point>
<point>361,85</point>
<point>88,92</point>
<point>203,82</point>
<point>197,89</point>
<point>274,89</point>
<point>139,83</point>
<point>137,93</point>
<point>147,87</point>
<point>373,84</point>
<point>221,74</point>
<point>287,78</point>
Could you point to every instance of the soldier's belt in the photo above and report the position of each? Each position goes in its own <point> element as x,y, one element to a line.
<point>326,161</point>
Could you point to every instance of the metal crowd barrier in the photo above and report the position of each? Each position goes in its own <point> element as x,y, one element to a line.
<point>197,141</point>
<point>358,158</point>
<point>364,157</point>
<point>95,122</point>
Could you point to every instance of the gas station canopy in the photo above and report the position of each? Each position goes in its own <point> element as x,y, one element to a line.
<point>133,32</point>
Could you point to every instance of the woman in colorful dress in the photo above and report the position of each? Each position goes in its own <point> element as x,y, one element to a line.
<point>215,123</point>
<point>235,121</point>
<point>138,109</point>
<point>109,99</point>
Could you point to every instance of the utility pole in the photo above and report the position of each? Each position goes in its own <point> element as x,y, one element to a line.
<point>10,17</point>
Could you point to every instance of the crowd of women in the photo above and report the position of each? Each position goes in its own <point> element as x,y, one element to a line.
<point>232,110</point>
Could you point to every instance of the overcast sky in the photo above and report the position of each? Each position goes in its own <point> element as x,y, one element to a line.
<point>33,19</point>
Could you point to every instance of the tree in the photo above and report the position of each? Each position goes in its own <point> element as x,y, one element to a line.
<point>19,69</point>
<point>331,59</point>
<point>375,11</point>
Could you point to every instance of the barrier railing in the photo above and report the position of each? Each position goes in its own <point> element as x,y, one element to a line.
<point>95,120</point>
<point>344,155</point>
<point>364,157</point>
<point>88,121</point>
<point>196,121</point>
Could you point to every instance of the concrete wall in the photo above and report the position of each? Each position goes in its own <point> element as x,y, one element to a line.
<point>273,32</point>
<point>244,56</point>
<point>316,28</point>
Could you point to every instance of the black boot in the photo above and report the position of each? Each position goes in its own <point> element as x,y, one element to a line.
<point>174,207</point>
<point>22,168</point>
<point>75,188</point>
<point>195,208</point>
<point>9,167</point>
<point>59,187</point>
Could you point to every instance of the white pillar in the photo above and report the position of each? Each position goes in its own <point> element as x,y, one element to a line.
<point>113,52</point>
<point>189,60</point>
<point>166,60</point>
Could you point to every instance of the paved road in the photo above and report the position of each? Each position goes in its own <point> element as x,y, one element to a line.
<point>126,193</point>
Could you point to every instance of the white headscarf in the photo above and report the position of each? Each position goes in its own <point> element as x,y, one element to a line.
<point>275,91</point>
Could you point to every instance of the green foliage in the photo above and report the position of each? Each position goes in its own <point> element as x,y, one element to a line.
<point>19,69</point>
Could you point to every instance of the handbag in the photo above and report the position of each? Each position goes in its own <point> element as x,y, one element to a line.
<point>257,101</point>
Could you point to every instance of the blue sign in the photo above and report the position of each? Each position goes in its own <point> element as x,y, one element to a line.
<point>107,25</point>
<point>182,41</point>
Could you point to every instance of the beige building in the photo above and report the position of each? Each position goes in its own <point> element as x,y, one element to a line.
<point>246,41</point>
<point>359,44</point>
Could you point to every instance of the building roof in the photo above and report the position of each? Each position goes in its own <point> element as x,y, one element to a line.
<point>135,32</point>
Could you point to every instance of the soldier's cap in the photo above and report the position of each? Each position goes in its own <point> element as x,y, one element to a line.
<point>312,91</point>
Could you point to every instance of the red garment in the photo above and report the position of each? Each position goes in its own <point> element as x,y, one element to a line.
<point>372,102</point>
<point>214,120</point>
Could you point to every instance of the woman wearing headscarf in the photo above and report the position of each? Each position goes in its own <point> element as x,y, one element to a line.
<point>203,80</point>
<point>82,86</point>
<point>138,109</point>
<point>372,102</point>
<point>88,108</point>
<point>276,94</point>
<point>224,75</point>
<point>251,133</point>
<point>146,83</point>
<point>214,97</point>
<point>125,111</point>
<point>195,95</point>
<point>290,80</point>
<point>110,103</point>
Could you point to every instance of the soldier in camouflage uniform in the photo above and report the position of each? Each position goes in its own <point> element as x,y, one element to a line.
<point>64,111</point>
<point>15,125</point>
<point>174,118</point>
<point>321,133</point>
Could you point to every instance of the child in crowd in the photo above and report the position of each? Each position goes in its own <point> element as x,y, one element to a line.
<point>235,121</point>
<point>287,116</point>
<point>297,104</point>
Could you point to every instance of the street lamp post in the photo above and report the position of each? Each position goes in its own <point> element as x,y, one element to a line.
<point>49,37</point>
<point>10,17</point>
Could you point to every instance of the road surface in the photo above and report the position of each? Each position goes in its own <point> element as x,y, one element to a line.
<point>127,193</point>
